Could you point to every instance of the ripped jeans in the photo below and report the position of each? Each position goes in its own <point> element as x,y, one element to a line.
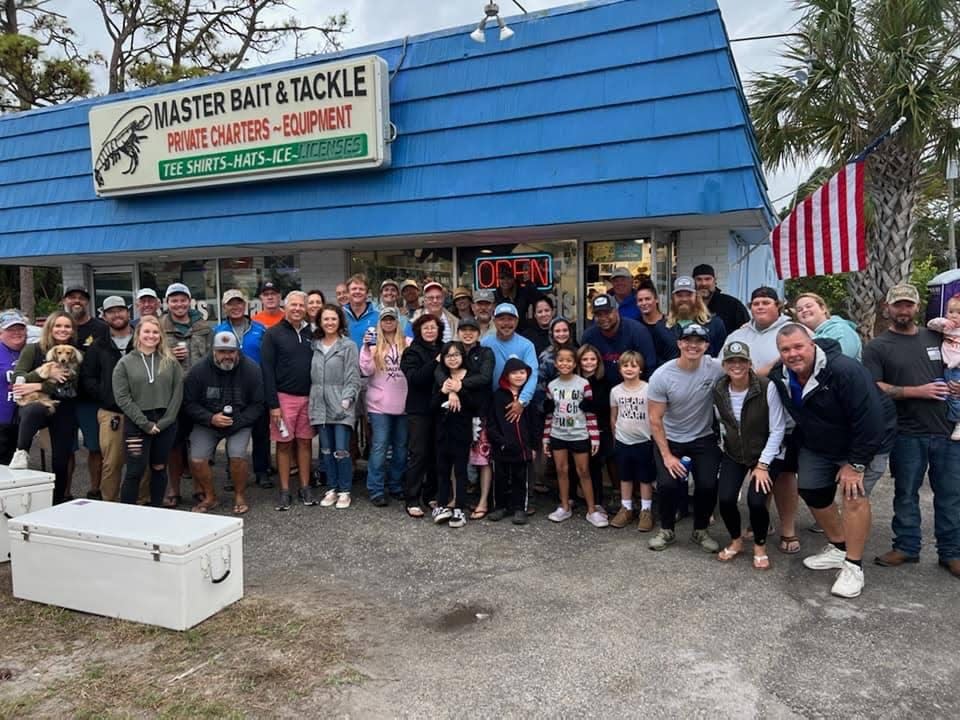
<point>335,451</point>
<point>142,449</point>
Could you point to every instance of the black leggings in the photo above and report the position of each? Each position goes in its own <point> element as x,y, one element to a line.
<point>153,450</point>
<point>63,437</point>
<point>456,456</point>
<point>731,479</point>
<point>705,454</point>
<point>420,480</point>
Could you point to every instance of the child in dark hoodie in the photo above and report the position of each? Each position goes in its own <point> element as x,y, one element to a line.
<point>511,445</point>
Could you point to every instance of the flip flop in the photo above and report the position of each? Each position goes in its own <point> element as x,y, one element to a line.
<point>761,562</point>
<point>205,506</point>
<point>478,514</point>
<point>786,541</point>
<point>240,509</point>
<point>726,555</point>
<point>415,512</point>
<point>172,501</point>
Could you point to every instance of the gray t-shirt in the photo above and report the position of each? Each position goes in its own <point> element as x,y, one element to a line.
<point>689,399</point>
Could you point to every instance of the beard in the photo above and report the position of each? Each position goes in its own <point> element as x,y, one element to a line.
<point>225,365</point>
<point>902,322</point>
<point>77,311</point>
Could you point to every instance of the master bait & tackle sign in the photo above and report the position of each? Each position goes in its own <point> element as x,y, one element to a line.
<point>317,119</point>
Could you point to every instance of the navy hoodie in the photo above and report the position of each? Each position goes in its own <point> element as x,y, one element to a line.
<point>510,441</point>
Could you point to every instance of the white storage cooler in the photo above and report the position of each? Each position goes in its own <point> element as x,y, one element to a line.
<point>150,565</point>
<point>21,491</point>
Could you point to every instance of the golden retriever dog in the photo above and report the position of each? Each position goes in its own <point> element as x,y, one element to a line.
<point>65,357</point>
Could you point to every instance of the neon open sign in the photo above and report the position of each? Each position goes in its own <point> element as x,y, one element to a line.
<point>535,269</point>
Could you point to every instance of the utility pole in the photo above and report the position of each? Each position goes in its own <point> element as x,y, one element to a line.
<point>952,172</point>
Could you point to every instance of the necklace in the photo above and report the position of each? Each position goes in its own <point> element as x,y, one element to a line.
<point>151,374</point>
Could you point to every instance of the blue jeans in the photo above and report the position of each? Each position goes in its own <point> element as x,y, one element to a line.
<point>953,404</point>
<point>389,432</point>
<point>939,458</point>
<point>335,451</point>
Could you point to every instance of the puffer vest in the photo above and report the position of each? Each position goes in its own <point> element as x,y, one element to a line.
<point>743,441</point>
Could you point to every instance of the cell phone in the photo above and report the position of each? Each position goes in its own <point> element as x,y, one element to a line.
<point>115,423</point>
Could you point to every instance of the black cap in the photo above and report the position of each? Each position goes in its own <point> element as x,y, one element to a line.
<point>77,289</point>
<point>603,302</point>
<point>470,322</point>
<point>695,330</point>
<point>514,364</point>
<point>766,292</point>
<point>264,287</point>
<point>704,269</point>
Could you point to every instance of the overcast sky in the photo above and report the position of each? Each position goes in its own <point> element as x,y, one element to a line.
<point>373,21</point>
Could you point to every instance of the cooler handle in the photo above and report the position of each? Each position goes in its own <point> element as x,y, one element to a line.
<point>26,501</point>
<point>206,566</point>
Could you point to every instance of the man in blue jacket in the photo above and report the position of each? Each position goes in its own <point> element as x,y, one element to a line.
<point>249,334</point>
<point>845,430</point>
<point>613,335</point>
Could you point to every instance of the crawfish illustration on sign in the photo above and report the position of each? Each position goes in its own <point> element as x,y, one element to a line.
<point>124,139</point>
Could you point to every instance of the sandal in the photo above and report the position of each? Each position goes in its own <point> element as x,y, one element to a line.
<point>761,562</point>
<point>205,506</point>
<point>478,514</point>
<point>789,544</point>
<point>172,501</point>
<point>415,511</point>
<point>240,509</point>
<point>727,554</point>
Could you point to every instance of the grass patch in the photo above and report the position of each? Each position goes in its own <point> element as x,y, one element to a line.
<point>252,660</point>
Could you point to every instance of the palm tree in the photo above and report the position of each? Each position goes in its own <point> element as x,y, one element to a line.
<point>864,64</point>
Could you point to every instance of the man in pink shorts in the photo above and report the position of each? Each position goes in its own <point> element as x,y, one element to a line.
<point>286,355</point>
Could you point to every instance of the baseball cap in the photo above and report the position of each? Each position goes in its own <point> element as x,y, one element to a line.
<point>225,341</point>
<point>486,295</point>
<point>390,281</point>
<point>736,349</point>
<point>389,312</point>
<point>177,289</point>
<point>695,330</point>
<point>704,269</point>
<point>765,291</point>
<point>468,322</point>
<point>462,292</point>
<point>268,287</point>
<point>233,295</point>
<point>114,301</point>
<point>621,272</point>
<point>409,282</point>
<point>77,289</point>
<point>431,284</point>
<point>684,283</point>
<point>506,309</point>
<point>603,302</point>
<point>148,292</point>
<point>10,318</point>
<point>903,291</point>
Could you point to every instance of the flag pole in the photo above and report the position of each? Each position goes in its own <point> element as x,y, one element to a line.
<point>890,132</point>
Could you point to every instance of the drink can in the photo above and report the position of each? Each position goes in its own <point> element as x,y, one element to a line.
<point>228,410</point>
<point>182,344</point>
<point>941,381</point>
<point>687,463</point>
<point>284,432</point>
<point>21,380</point>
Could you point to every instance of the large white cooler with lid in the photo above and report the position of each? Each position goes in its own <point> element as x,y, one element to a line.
<point>21,491</point>
<point>150,565</point>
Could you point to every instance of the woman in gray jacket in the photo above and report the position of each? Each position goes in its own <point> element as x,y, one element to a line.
<point>334,388</point>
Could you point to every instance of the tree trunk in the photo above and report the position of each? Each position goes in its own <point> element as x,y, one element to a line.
<point>27,297</point>
<point>892,180</point>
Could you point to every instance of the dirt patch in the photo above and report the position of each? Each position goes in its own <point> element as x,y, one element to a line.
<point>463,616</point>
<point>262,657</point>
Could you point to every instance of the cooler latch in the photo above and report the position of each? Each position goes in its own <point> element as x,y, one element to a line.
<point>156,553</point>
<point>25,533</point>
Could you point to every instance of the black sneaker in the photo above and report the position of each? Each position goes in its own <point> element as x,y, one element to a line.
<point>520,517</point>
<point>94,495</point>
<point>379,501</point>
<point>398,496</point>
<point>497,515</point>
<point>283,501</point>
<point>228,486</point>
<point>263,480</point>
<point>306,497</point>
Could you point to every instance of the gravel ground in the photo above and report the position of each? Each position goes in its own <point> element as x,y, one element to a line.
<point>496,620</point>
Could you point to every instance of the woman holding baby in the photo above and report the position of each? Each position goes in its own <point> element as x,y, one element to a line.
<point>55,380</point>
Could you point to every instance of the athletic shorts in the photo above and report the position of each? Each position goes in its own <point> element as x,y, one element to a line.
<point>204,441</point>
<point>816,473</point>
<point>574,446</point>
<point>295,409</point>
<point>635,462</point>
<point>789,463</point>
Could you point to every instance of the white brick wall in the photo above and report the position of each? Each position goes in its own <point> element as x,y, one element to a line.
<point>323,270</point>
<point>704,246</point>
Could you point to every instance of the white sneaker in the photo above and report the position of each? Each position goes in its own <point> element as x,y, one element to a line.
<point>329,499</point>
<point>955,435</point>
<point>458,520</point>
<point>20,460</point>
<point>560,514</point>
<point>598,519</point>
<point>830,558</point>
<point>849,582</point>
<point>441,514</point>
<point>343,501</point>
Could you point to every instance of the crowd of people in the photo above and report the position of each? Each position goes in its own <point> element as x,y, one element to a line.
<point>469,400</point>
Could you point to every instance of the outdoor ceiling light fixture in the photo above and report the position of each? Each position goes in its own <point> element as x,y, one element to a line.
<point>491,10</point>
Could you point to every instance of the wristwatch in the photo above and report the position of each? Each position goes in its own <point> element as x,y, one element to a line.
<point>859,467</point>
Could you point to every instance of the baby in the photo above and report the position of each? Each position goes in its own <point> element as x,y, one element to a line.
<point>950,352</point>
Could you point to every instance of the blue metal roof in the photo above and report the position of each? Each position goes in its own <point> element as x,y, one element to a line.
<point>607,110</point>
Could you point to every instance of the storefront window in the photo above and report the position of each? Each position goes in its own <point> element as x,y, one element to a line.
<point>550,266</point>
<point>604,257</point>
<point>198,275</point>
<point>247,273</point>
<point>420,264</point>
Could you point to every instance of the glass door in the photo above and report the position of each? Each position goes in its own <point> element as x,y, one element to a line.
<point>115,280</point>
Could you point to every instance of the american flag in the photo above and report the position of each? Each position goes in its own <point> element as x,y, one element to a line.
<point>826,233</point>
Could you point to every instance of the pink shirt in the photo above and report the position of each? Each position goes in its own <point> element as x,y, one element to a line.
<point>386,389</point>
<point>950,347</point>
